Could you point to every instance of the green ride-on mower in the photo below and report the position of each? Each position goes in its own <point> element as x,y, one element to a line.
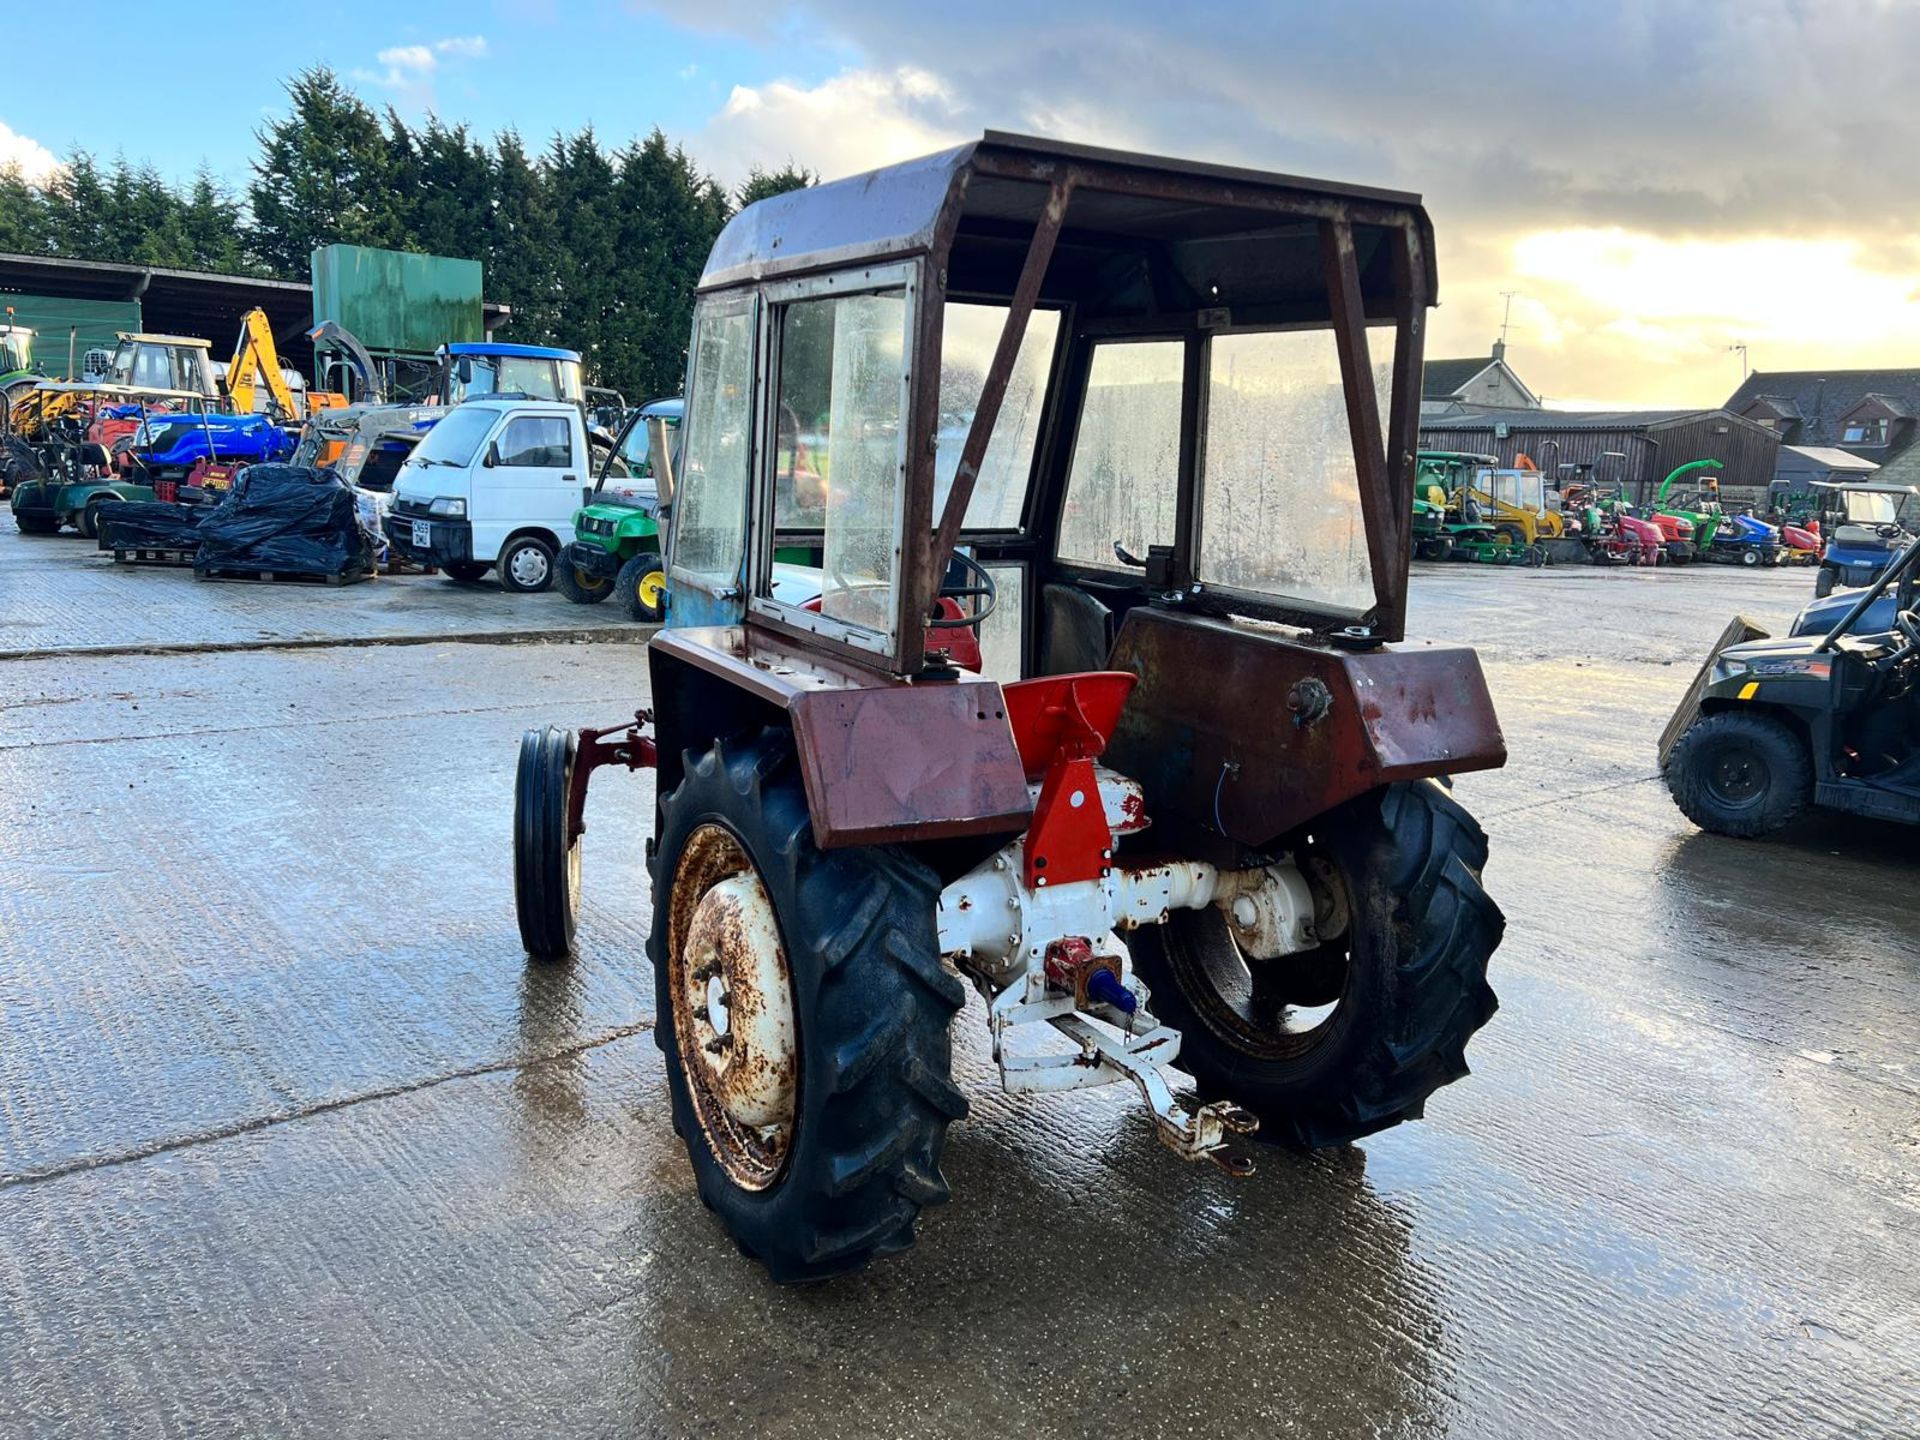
<point>1449,520</point>
<point>1119,419</point>
<point>617,538</point>
<point>1771,727</point>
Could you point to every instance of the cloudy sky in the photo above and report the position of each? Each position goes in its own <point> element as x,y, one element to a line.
<point>1656,181</point>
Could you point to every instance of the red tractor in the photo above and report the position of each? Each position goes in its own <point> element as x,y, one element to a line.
<point>1144,430</point>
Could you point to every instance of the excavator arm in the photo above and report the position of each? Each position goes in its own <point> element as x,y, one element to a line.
<point>255,358</point>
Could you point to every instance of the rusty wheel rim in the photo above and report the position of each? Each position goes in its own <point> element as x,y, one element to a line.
<point>731,993</point>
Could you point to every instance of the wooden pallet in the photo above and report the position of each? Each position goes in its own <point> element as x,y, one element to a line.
<point>269,577</point>
<point>153,555</point>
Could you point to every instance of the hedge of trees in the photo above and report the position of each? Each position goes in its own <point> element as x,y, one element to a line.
<point>594,248</point>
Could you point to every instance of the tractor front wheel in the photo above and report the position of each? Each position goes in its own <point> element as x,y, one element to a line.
<point>1353,1036</point>
<point>1741,774</point>
<point>804,1014</point>
<point>546,859</point>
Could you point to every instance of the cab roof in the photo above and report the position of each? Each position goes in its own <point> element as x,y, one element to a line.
<point>1152,234</point>
<point>142,335</point>
<point>522,352</point>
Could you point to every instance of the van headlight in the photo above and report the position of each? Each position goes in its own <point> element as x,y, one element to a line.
<point>449,507</point>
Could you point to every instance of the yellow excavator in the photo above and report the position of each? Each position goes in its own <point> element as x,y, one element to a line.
<point>256,362</point>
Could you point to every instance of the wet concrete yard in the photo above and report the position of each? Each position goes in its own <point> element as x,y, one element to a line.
<point>292,1141</point>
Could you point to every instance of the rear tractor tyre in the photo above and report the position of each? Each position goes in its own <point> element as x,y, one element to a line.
<point>804,1015</point>
<point>642,586</point>
<point>546,861</point>
<point>1740,773</point>
<point>579,586</point>
<point>1406,977</point>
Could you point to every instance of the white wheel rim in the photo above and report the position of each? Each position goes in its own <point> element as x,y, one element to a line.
<point>529,565</point>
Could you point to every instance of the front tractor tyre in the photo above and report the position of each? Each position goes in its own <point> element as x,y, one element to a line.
<point>804,1015</point>
<point>642,584</point>
<point>1349,1038</point>
<point>546,859</point>
<point>1740,773</point>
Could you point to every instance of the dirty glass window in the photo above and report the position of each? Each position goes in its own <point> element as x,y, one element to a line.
<point>1281,492</point>
<point>710,531</point>
<point>971,333</point>
<point>837,444</point>
<point>542,441</point>
<point>1126,457</point>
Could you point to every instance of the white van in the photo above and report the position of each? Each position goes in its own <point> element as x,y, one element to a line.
<point>494,484</point>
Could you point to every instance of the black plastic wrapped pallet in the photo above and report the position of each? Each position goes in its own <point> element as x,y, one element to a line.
<point>150,525</point>
<point>290,519</point>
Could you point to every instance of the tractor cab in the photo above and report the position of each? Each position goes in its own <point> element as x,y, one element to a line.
<point>471,370</point>
<point>1144,429</point>
<point>163,362</point>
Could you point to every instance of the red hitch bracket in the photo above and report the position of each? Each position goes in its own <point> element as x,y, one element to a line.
<point>594,750</point>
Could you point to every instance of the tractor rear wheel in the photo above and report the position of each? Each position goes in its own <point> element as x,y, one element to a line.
<point>546,860</point>
<point>1739,773</point>
<point>1353,1036</point>
<point>804,1014</point>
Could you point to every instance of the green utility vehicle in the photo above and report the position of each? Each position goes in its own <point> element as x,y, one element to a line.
<point>617,544</point>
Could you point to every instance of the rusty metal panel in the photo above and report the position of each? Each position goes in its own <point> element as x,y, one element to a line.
<point>893,762</point>
<point>1241,733</point>
<point>885,761</point>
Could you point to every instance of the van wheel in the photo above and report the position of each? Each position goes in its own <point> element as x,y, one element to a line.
<point>643,586</point>
<point>465,570</point>
<point>526,564</point>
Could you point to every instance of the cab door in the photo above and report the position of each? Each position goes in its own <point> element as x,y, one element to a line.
<point>709,545</point>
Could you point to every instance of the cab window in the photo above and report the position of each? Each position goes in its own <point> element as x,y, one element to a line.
<point>710,530</point>
<point>970,334</point>
<point>837,445</point>
<point>1280,490</point>
<point>542,442</point>
<point>1123,483</point>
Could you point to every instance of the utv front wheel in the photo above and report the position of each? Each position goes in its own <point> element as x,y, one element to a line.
<point>1740,774</point>
<point>1353,1036</point>
<point>804,1017</point>
<point>582,587</point>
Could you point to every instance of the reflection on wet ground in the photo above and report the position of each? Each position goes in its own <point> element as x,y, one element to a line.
<point>294,1142</point>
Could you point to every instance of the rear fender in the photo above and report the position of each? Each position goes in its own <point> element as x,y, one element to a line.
<point>1240,735</point>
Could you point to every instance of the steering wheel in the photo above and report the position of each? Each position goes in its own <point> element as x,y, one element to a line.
<point>1909,624</point>
<point>982,589</point>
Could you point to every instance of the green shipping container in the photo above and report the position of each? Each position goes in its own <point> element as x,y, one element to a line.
<point>63,328</point>
<point>395,302</point>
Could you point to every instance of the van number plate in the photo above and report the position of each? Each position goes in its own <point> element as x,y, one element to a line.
<point>423,534</point>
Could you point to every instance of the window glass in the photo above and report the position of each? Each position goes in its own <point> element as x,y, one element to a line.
<point>1126,457</point>
<point>971,333</point>
<point>545,441</point>
<point>710,531</point>
<point>837,444</point>
<point>455,439</point>
<point>1281,493</point>
<point>1000,631</point>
